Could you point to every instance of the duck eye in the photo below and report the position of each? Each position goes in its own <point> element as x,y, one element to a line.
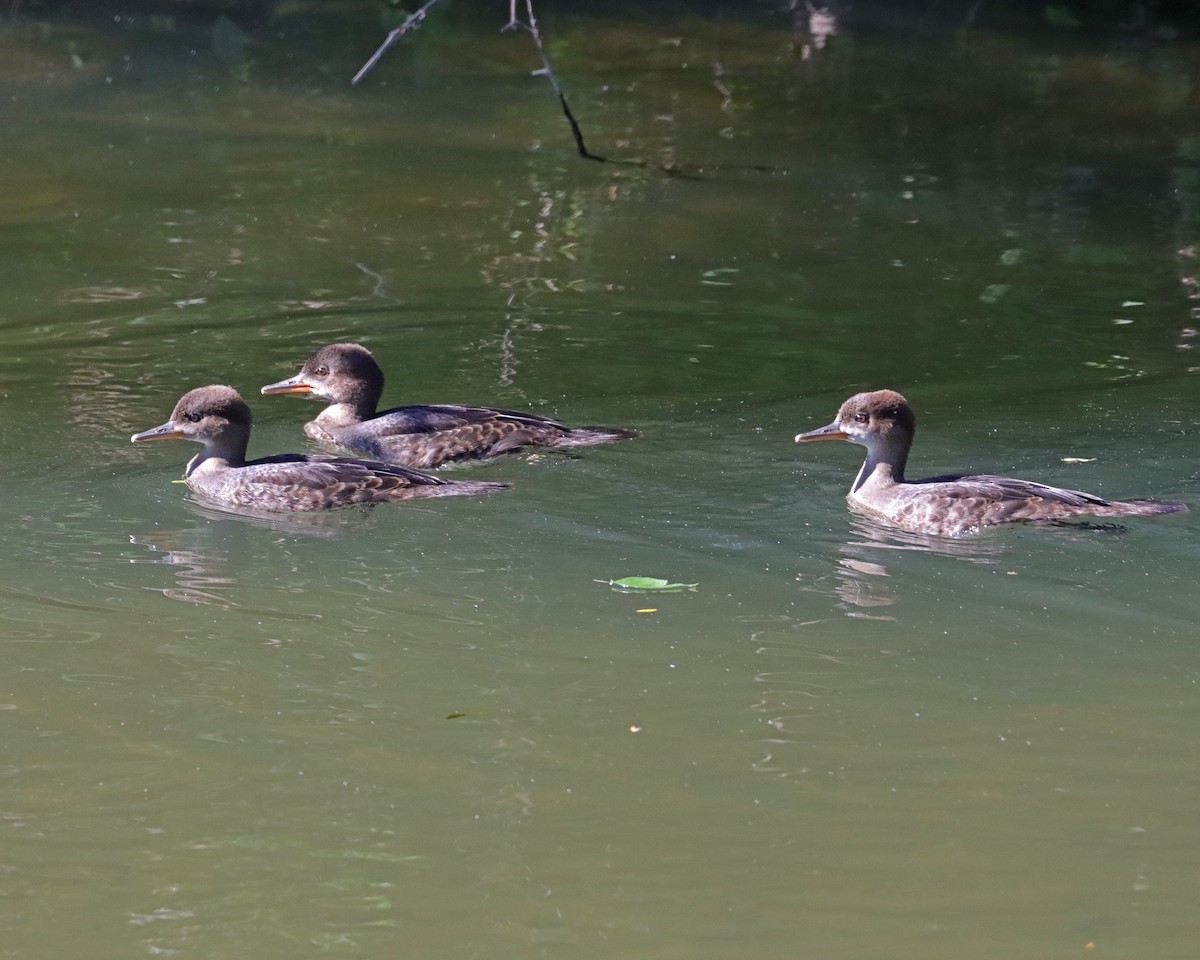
<point>194,417</point>
<point>861,417</point>
<point>321,371</point>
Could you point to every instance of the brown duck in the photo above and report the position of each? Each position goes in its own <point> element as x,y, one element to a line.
<point>219,418</point>
<point>951,505</point>
<point>347,376</point>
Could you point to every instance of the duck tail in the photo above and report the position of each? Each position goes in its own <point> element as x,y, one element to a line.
<point>589,436</point>
<point>1139,508</point>
<point>460,488</point>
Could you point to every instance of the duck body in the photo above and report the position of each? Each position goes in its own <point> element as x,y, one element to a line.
<point>429,435</point>
<point>953,505</point>
<point>347,376</point>
<point>217,417</point>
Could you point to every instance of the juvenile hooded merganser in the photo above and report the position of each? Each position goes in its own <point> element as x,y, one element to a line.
<point>952,505</point>
<point>346,375</point>
<point>218,417</point>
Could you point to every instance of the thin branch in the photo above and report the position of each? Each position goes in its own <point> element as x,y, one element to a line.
<point>530,26</point>
<point>547,71</point>
<point>410,23</point>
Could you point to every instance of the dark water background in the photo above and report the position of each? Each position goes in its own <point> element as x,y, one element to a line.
<point>427,728</point>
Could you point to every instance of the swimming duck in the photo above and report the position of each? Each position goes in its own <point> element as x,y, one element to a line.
<point>347,376</point>
<point>219,418</point>
<point>951,505</point>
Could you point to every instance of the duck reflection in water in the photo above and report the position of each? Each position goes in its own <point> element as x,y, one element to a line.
<point>864,574</point>
<point>200,554</point>
<point>198,575</point>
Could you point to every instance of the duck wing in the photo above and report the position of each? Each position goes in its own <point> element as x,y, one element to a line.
<point>317,482</point>
<point>434,418</point>
<point>426,436</point>
<point>992,500</point>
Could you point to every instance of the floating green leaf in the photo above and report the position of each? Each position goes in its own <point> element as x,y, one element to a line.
<point>648,584</point>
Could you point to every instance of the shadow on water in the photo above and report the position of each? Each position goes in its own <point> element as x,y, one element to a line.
<point>346,522</point>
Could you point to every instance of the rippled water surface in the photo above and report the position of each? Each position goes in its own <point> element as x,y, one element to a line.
<point>433,727</point>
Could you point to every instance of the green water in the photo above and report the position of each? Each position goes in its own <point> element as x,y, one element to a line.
<point>425,730</point>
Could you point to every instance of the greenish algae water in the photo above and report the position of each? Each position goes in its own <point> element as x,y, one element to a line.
<point>425,729</point>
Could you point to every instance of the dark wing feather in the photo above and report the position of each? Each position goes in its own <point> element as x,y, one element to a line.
<point>962,502</point>
<point>984,486</point>
<point>295,481</point>
<point>317,470</point>
<point>306,482</point>
<point>434,418</point>
<point>426,436</point>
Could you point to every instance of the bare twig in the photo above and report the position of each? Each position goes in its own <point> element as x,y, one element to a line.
<point>530,26</point>
<point>410,23</point>
<point>547,71</point>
